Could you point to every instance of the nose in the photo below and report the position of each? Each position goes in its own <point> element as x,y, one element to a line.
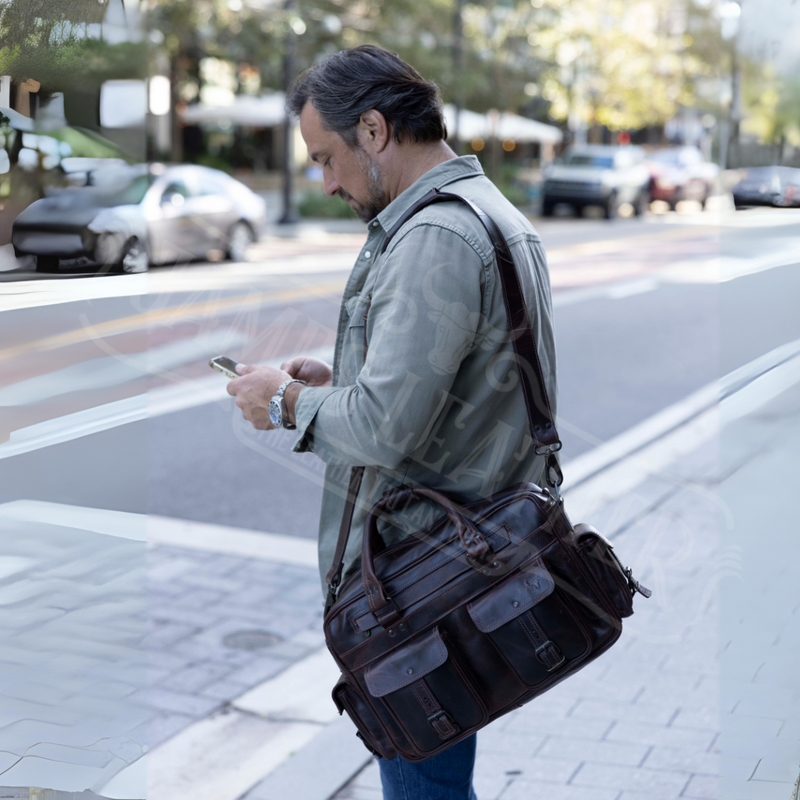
<point>331,186</point>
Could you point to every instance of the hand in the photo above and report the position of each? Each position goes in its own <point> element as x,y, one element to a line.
<point>253,391</point>
<point>311,370</point>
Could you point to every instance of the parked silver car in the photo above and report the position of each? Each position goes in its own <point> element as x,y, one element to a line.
<point>598,175</point>
<point>132,216</point>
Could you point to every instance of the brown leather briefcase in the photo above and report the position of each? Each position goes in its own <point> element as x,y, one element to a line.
<point>490,606</point>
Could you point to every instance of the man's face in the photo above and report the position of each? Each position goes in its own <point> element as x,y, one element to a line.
<point>350,173</point>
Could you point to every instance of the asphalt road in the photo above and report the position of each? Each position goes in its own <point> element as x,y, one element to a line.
<point>634,336</point>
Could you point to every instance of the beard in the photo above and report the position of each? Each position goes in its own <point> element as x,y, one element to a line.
<point>376,200</point>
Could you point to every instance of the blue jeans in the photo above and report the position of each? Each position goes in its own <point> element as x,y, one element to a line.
<point>447,776</point>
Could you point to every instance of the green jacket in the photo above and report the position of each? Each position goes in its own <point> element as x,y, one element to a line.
<point>437,400</point>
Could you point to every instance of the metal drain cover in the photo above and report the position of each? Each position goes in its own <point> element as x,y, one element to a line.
<point>250,640</point>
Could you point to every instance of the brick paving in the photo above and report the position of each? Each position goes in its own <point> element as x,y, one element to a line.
<point>109,649</point>
<point>72,625</point>
<point>198,599</point>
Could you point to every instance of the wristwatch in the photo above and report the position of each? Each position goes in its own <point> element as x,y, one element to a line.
<point>277,406</point>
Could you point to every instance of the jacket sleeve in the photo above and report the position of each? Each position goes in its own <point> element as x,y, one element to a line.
<point>425,311</point>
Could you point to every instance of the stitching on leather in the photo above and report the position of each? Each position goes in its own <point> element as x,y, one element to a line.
<point>410,678</point>
<point>353,619</point>
<point>454,587</point>
<point>446,561</point>
<point>359,665</point>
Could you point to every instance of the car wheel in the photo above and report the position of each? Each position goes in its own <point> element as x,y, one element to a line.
<point>240,238</point>
<point>134,257</point>
<point>610,206</point>
<point>547,207</point>
<point>46,264</point>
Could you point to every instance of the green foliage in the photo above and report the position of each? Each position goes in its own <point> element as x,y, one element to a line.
<point>74,63</point>
<point>48,40</point>
<point>771,104</point>
<point>314,203</point>
<point>214,162</point>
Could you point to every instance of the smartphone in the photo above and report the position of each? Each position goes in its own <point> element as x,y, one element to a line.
<point>227,366</point>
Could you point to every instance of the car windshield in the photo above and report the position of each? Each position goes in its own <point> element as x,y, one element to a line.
<point>587,160</point>
<point>130,194</point>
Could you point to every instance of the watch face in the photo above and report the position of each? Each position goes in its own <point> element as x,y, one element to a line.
<point>274,411</point>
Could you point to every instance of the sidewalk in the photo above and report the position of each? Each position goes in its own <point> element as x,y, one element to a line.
<point>236,702</point>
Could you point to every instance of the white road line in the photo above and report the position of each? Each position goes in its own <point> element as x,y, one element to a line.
<point>32,294</point>
<point>222,756</point>
<point>167,531</point>
<point>74,426</point>
<point>614,450</point>
<point>117,368</point>
<point>232,541</point>
<point>745,390</point>
<point>98,520</point>
<point>620,291</point>
<point>302,692</point>
<point>606,454</point>
<point>178,397</point>
<point>226,754</point>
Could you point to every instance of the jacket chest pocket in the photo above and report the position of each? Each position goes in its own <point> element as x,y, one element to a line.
<point>354,347</point>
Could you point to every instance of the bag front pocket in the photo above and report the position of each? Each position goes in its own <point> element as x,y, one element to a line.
<point>427,691</point>
<point>370,730</point>
<point>531,624</point>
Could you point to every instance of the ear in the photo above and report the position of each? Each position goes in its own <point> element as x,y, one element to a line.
<point>374,132</point>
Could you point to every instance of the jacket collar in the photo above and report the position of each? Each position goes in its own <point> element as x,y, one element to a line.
<point>441,175</point>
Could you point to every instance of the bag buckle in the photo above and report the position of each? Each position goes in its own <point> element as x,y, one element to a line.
<point>550,656</point>
<point>443,724</point>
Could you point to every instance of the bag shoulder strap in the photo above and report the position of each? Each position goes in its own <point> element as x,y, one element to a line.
<point>537,403</point>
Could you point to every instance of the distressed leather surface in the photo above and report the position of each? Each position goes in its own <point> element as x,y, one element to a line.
<point>512,597</point>
<point>406,665</point>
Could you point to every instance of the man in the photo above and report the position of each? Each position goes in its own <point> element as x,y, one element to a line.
<point>423,388</point>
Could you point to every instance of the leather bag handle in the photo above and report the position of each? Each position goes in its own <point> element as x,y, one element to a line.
<point>380,604</point>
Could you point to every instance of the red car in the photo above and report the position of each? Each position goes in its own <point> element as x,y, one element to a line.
<point>680,173</point>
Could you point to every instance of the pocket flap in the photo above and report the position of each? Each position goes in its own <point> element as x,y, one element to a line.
<point>406,665</point>
<point>356,306</point>
<point>512,597</point>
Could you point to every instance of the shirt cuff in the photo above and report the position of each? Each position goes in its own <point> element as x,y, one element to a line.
<point>308,402</point>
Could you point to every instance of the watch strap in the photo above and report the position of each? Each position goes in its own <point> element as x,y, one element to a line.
<point>286,384</point>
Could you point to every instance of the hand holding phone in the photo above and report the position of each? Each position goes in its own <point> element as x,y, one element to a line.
<point>227,366</point>
<point>311,370</point>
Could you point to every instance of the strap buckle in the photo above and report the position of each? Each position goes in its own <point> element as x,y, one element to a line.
<point>329,600</point>
<point>550,656</point>
<point>546,449</point>
<point>443,724</point>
